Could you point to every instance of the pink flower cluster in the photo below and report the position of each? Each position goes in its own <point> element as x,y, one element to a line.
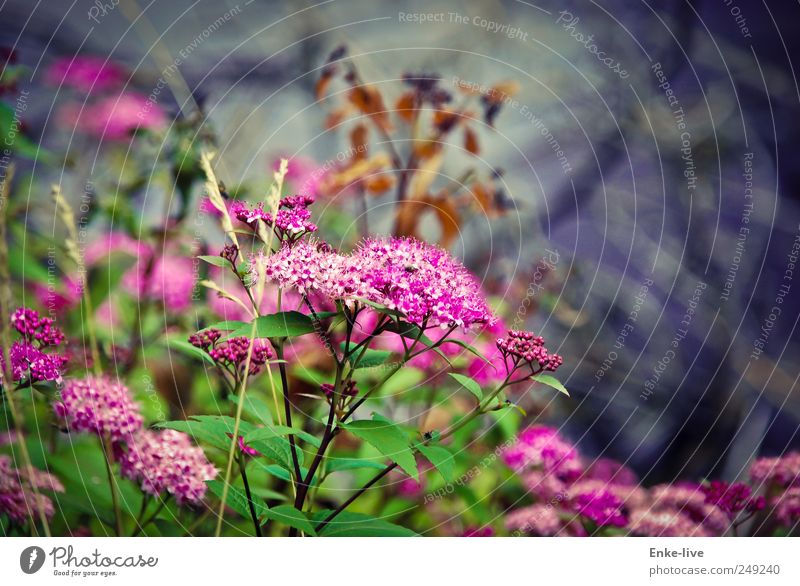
<point>85,73</point>
<point>29,361</point>
<point>232,353</point>
<point>575,498</point>
<point>291,222</point>
<point>780,479</point>
<point>422,282</point>
<point>160,461</point>
<point>167,461</point>
<point>100,406</point>
<point>18,496</point>
<point>525,348</point>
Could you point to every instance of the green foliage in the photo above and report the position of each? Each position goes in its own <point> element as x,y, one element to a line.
<point>550,381</point>
<point>285,324</point>
<point>388,439</point>
<point>468,384</point>
<point>347,524</point>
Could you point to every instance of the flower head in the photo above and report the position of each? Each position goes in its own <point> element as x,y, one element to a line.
<point>525,348</point>
<point>166,462</point>
<point>292,219</point>
<point>732,498</point>
<point>37,330</point>
<point>85,73</point>
<point>782,471</point>
<point>98,405</point>
<point>600,506</point>
<point>665,523</point>
<point>543,448</point>
<point>233,351</point>
<point>19,498</point>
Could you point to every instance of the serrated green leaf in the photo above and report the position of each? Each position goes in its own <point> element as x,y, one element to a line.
<point>347,524</point>
<point>187,349</point>
<point>370,359</point>
<point>278,325</point>
<point>290,516</point>
<point>217,261</point>
<point>210,429</point>
<point>343,464</point>
<point>442,460</point>
<point>550,381</point>
<point>388,439</point>
<point>270,445</point>
<point>469,384</point>
<point>237,499</point>
<point>227,325</point>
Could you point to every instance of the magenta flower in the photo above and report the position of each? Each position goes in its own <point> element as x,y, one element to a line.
<point>601,507</point>
<point>232,353</point>
<point>525,348</point>
<point>166,462</point>
<point>419,280</point>
<point>85,73</point>
<point>29,362</point>
<point>18,498</point>
<point>732,498</point>
<point>542,447</point>
<point>116,117</point>
<point>171,281</point>
<point>291,222</point>
<point>30,365</point>
<point>783,471</point>
<point>478,532</point>
<point>98,405</point>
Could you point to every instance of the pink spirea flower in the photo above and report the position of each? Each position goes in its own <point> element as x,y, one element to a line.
<point>782,471</point>
<point>521,348</point>
<point>18,499</point>
<point>233,351</point>
<point>116,117</point>
<point>167,462</point>
<point>37,330</point>
<point>85,73</point>
<point>98,405</point>
<point>732,498</point>
<point>170,282</point>
<point>291,221</point>
<point>421,281</point>
<point>689,499</point>
<point>541,520</point>
<point>29,364</point>
<point>787,507</point>
<point>601,506</point>
<point>629,495</point>
<point>543,447</point>
<point>665,523</point>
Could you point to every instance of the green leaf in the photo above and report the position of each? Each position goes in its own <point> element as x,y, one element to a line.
<point>237,499</point>
<point>388,439</point>
<point>226,325</point>
<point>281,430</point>
<point>290,516</point>
<point>217,261</point>
<point>186,348</point>
<point>409,330</point>
<point>270,445</point>
<point>468,384</point>
<point>381,308</point>
<point>550,381</point>
<point>278,325</point>
<point>370,359</point>
<point>441,458</point>
<point>209,429</point>
<point>347,524</point>
<point>342,464</point>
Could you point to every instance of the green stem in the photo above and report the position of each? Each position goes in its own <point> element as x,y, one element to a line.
<point>112,483</point>
<point>140,526</point>
<point>250,504</point>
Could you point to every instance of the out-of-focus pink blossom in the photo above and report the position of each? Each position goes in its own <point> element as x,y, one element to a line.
<point>85,73</point>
